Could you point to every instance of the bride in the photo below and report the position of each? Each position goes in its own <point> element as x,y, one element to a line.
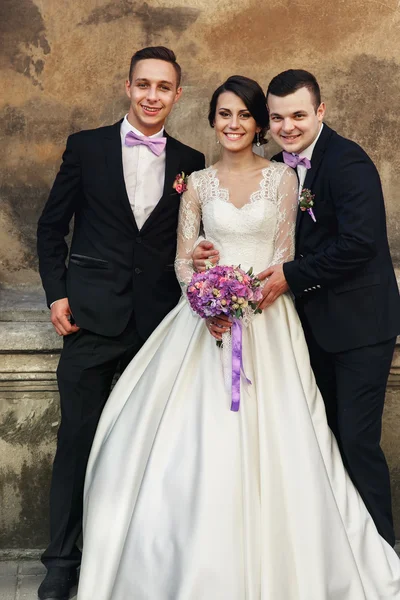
<point>187,500</point>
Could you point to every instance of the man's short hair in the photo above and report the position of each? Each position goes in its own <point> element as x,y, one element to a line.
<point>292,80</point>
<point>159,53</point>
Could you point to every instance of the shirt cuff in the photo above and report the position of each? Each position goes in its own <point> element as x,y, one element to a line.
<point>58,299</point>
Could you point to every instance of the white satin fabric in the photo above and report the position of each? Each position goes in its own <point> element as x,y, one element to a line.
<point>186,500</point>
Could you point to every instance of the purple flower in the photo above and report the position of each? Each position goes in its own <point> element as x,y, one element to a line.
<point>223,290</point>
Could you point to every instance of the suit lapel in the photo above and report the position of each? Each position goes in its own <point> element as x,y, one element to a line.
<point>316,159</point>
<point>114,164</point>
<point>317,155</point>
<point>299,217</point>
<point>172,164</point>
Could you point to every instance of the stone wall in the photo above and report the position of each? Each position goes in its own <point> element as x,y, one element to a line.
<point>62,69</point>
<point>29,418</point>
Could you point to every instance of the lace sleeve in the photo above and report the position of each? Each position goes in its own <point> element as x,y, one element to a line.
<point>188,233</point>
<point>287,203</point>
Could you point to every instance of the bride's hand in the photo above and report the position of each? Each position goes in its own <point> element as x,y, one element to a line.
<point>218,325</point>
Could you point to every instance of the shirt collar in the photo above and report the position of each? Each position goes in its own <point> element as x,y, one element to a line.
<point>126,127</point>
<point>307,153</point>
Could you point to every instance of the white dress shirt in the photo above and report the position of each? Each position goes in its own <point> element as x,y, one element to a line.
<point>144,174</point>
<point>307,153</point>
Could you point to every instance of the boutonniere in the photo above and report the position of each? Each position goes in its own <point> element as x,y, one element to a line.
<point>307,202</point>
<point>180,183</point>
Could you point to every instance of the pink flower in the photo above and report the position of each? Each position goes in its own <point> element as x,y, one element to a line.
<point>180,183</point>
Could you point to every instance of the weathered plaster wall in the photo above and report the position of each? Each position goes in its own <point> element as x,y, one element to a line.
<point>62,69</point>
<point>29,418</point>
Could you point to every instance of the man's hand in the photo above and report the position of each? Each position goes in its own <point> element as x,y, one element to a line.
<point>204,251</point>
<point>218,325</point>
<point>60,313</point>
<point>275,286</point>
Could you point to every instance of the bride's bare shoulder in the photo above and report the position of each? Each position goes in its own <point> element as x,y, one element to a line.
<point>264,163</point>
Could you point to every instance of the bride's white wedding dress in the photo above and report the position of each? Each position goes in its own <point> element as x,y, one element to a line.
<point>187,500</point>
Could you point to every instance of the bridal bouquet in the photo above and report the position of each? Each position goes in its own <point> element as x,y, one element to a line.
<point>230,291</point>
<point>224,291</point>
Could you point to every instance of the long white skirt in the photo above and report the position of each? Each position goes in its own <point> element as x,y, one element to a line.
<point>187,500</point>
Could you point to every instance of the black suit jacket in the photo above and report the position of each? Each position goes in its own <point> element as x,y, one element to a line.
<point>342,273</point>
<point>113,267</point>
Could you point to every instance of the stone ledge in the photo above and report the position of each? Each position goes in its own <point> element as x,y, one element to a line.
<point>23,304</point>
<point>25,326</point>
<point>16,554</point>
<point>28,336</point>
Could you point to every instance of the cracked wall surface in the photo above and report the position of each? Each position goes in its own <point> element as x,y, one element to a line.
<point>63,65</point>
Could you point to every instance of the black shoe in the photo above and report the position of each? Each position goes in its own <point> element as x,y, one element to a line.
<point>57,584</point>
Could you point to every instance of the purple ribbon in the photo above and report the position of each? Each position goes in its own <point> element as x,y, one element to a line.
<point>237,363</point>
<point>311,213</point>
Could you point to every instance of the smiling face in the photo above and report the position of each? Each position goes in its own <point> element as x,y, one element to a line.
<point>233,123</point>
<point>152,92</point>
<point>294,120</point>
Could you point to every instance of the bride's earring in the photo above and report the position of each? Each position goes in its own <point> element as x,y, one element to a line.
<point>217,141</point>
<point>258,143</point>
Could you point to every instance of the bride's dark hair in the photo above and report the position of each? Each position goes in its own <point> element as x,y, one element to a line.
<point>252,95</point>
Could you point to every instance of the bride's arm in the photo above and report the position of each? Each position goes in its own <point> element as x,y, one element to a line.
<point>286,223</point>
<point>287,205</point>
<point>188,233</point>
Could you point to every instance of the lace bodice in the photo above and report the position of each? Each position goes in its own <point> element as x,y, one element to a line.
<point>258,235</point>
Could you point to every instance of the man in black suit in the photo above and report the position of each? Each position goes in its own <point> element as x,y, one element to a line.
<point>342,279</point>
<point>117,183</point>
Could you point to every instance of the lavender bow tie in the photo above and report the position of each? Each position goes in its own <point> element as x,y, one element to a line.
<point>293,160</point>
<point>156,145</point>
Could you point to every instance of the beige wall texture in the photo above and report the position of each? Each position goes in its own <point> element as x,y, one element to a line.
<point>62,68</point>
<point>63,65</point>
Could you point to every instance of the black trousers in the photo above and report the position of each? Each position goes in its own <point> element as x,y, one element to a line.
<point>85,372</point>
<point>353,385</point>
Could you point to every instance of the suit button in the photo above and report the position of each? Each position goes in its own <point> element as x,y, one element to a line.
<point>139,240</point>
<point>138,271</point>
